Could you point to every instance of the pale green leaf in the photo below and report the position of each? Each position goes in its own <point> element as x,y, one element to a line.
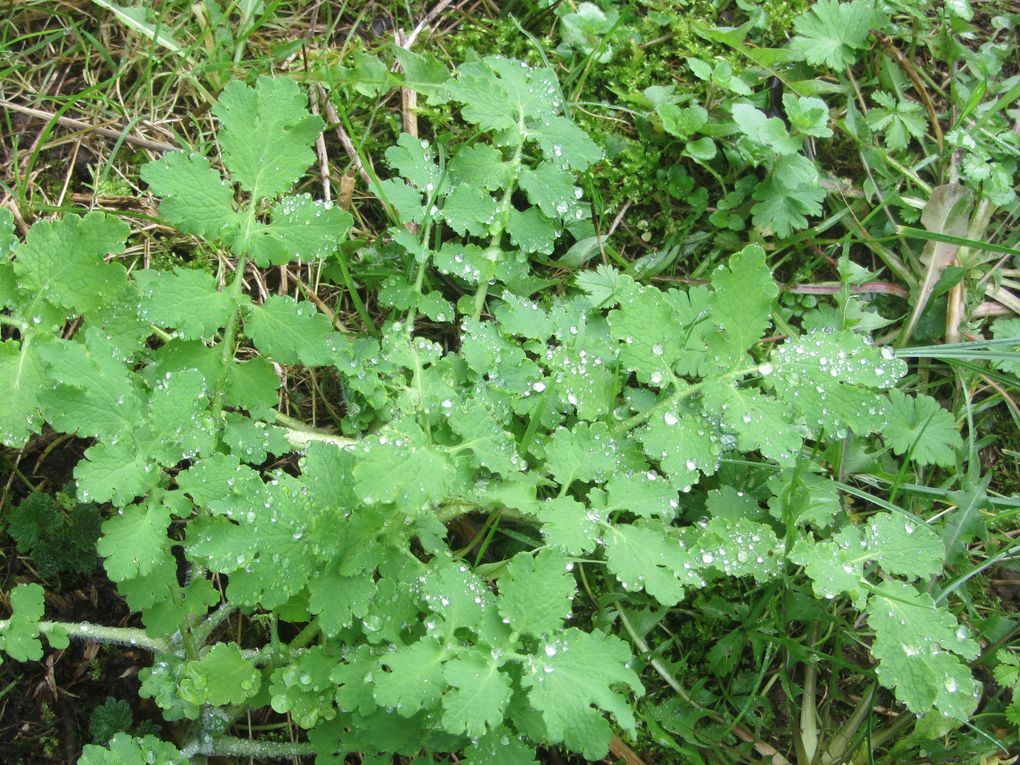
<point>185,300</point>
<point>479,697</point>
<point>133,541</point>
<point>919,427</point>
<point>414,679</point>
<point>196,198</point>
<point>22,377</point>
<point>832,33</point>
<point>291,332</point>
<point>123,749</point>
<point>642,494</point>
<point>742,297</point>
<point>537,592</point>
<point>221,677</point>
<point>469,210</point>
<point>683,445</point>
<point>648,558</point>
<point>568,524</point>
<point>62,261</point>
<point>572,679</point>
<point>266,133</point>
<point>918,645</point>
<point>302,229</point>
<point>19,638</point>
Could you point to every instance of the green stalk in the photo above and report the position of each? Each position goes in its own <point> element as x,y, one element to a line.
<point>502,218</point>
<point>200,634</point>
<point>97,633</point>
<point>837,748</point>
<point>230,746</point>
<point>808,707</point>
<point>229,337</point>
<point>678,395</point>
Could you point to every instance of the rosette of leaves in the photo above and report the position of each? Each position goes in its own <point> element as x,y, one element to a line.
<point>583,419</point>
<point>524,142</point>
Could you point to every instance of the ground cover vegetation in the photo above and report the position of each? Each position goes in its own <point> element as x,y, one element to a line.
<point>551,382</point>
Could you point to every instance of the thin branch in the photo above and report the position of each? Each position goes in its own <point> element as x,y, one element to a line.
<point>85,127</point>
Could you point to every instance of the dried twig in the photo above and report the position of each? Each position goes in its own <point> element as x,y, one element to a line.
<point>106,132</point>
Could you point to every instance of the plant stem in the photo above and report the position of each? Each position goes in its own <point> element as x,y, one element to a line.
<point>837,747</point>
<point>676,397</point>
<point>229,337</point>
<point>808,709</point>
<point>201,633</point>
<point>502,217</point>
<point>98,633</point>
<point>230,746</point>
<point>764,749</point>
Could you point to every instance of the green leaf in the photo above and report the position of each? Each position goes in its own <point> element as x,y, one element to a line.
<point>568,524</point>
<point>807,115</point>
<point>683,446</point>
<point>19,637</point>
<point>537,592</point>
<point>897,119</point>
<point>642,494</point>
<point>303,688</point>
<point>571,679</point>
<point>114,472</point>
<point>681,122</point>
<point>396,468</point>
<point>583,453</point>
<point>414,679</point>
<point>740,547</point>
<point>186,300</point>
<point>1006,329</point>
<point>831,379</point>
<point>742,298</point>
<point>647,558</point>
<point>133,541</point>
<point>266,134</point>
<point>469,210</point>
<point>196,199</point>
<point>122,749</point>
<point>551,188</point>
<point>782,209</point>
<point>61,262</point>
<point>564,143</point>
<point>479,697</point>
<point>481,165</point>
<point>767,131</point>
<point>94,395</point>
<point>524,318</point>
<point>221,677</point>
<point>22,378</point>
<point>302,229</point>
<point>532,231</point>
<point>919,427</point>
<point>808,497</point>
<point>492,446</point>
<point>900,546</point>
<point>413,159</point>
<point>917,645</point>
<point>761,422</point>
<point>291,332</point>
<point>498,747</point>
<point>423,73</point>
<point>831,33</point>
<point>660,331</point>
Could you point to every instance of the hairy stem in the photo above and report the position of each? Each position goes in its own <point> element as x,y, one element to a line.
<point>98,633</point>
<point>229,337</point>
<point>502,217</point>
<point>230,746</point>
